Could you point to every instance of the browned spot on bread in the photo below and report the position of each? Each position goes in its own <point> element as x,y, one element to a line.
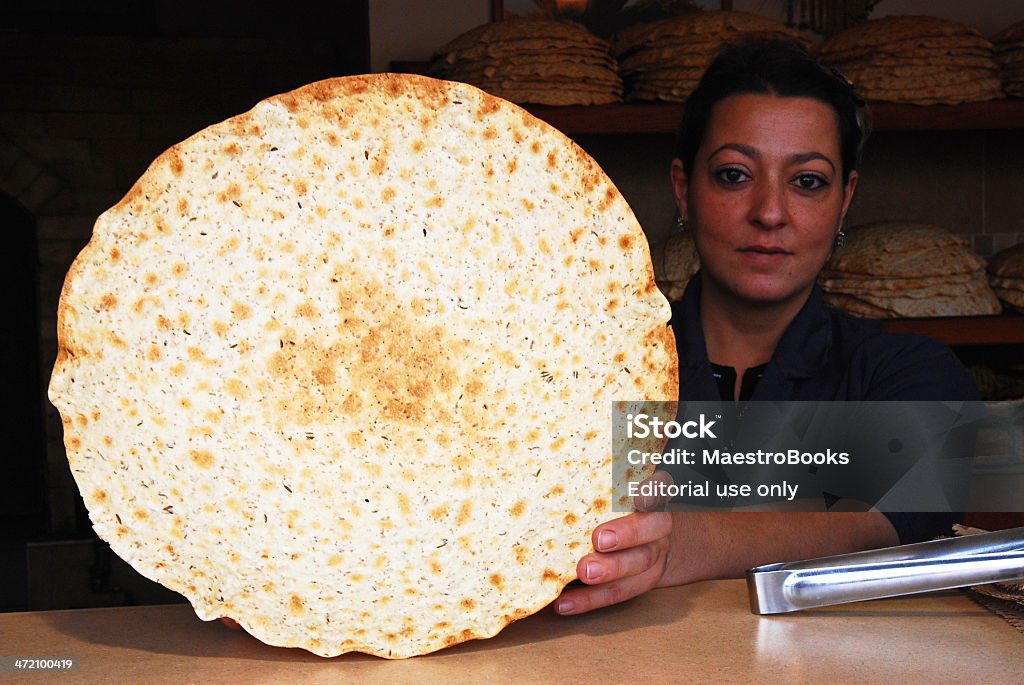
<point>177,165</point>
<point>497,581</point>
<point>179,269</point>
<point>626,242</point>
<point>600,505</point>
<point>240,310</point>
<point>231,148</point>
<point>549,575</point>
<point>301,187</point>
<point>296,606</point>
<point>232,192</point>
<point>609,197</point>
<point>535,147</point>
<point>388,194</point>
<point>405,383</point>
<point>230,245</point>
<point>518,508</point>
<point>487,106</point>
<point>465,513</point>
<point>182,206</point>
<point>155,353</point>
<point>306,310</point>
<point>570,519</point>
<point>235,388</point>
<point>552,160</point>
<point>522,554</point>
<point>202,458</point>
<point>108,301</point>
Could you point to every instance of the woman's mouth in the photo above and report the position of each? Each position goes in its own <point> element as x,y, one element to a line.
<point>765,251</point>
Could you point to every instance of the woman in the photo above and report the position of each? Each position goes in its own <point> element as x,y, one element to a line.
<point>765,170</point>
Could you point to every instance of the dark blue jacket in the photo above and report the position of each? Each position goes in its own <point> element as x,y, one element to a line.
<point>826,354</point>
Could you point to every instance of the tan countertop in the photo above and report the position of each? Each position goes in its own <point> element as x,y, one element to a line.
<point>699,633</point>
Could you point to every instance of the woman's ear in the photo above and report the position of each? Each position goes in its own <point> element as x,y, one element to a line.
<point>851,186</point>
<point>680,183</point>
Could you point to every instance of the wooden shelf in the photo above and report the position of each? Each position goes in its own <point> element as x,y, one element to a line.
<point>1006,329</point>
<point>659,118</point>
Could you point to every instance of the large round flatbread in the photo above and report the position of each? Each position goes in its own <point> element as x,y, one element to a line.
<point>342,367</point>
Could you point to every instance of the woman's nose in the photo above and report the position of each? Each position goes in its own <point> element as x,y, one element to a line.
<point>768,204</point>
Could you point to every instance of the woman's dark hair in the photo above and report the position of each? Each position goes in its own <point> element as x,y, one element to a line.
<point>775,67</point>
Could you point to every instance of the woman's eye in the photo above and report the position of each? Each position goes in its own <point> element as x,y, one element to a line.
<point>731,176</point>
<point>810,182</point>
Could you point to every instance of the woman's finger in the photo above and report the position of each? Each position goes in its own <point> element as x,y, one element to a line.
<point>604,568</point>
<point>630,531</point>
<point>660,480</point>
<point>580,599</point>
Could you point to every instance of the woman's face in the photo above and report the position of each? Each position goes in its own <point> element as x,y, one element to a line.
<point>766,197</point>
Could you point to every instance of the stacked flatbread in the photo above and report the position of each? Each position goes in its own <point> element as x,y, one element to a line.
<point>539,61</point>
<point>915,59</point>
<point>675,262</point>
<point>1005,598</point>
<point>664,60</point>
<point>894,269</point>
<point>1009,51</point>
<point>342,367</point>
<point>1006,275</point>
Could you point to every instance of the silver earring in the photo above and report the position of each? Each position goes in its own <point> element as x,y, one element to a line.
<point>840,239</point>
<point>680,223</point>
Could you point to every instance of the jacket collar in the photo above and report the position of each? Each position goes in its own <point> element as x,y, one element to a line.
<point>801,353</point>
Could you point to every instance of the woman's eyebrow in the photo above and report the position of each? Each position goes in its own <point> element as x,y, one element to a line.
<point>753,153</point>
<point>801,157</point>
<point>738,147</point>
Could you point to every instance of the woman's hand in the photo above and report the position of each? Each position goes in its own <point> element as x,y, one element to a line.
<point>630,558</point>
